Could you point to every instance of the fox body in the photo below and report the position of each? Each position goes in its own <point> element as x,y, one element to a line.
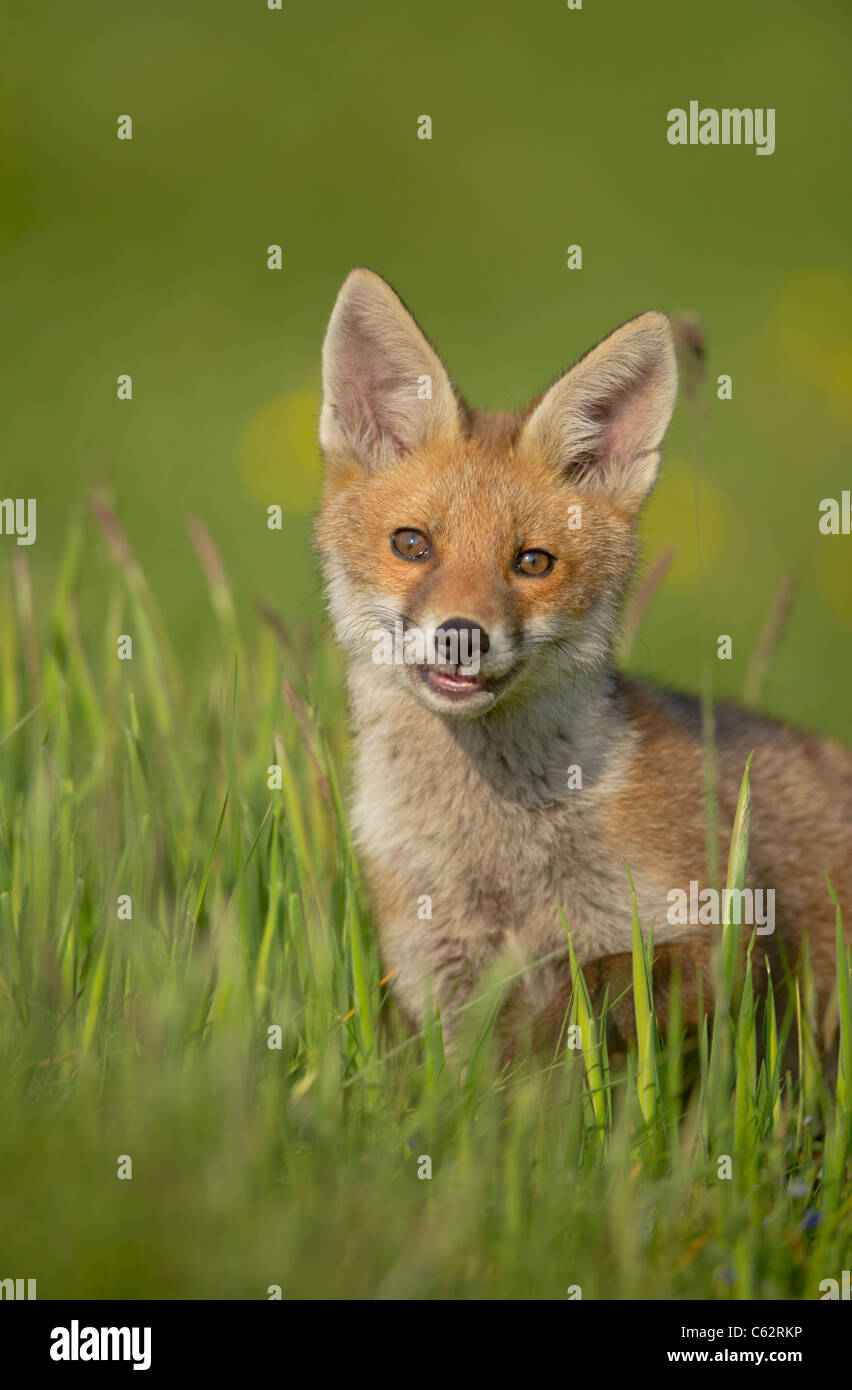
<point>488,801</point>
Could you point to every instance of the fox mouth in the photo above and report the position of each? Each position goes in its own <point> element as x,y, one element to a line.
<point>458,685</point>
<point>452,688</point>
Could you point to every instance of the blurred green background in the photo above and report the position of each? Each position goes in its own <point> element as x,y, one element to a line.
<point>299,127</point>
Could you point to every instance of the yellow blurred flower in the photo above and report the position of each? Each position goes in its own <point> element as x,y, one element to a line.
<point>279,453</point>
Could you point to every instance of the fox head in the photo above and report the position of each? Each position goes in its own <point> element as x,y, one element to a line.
<point>496,548</point>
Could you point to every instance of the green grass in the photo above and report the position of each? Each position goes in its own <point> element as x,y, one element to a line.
<point>297,1165</point>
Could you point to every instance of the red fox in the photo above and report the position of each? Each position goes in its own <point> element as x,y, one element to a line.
<point>493,792</point>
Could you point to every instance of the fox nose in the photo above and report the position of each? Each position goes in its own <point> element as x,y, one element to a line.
<point>476,638</point>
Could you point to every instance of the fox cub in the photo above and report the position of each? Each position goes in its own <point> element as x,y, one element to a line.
<point>505,769</point>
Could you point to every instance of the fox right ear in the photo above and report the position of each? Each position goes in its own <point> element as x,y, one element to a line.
<point>603,422</point>
<point>385,391</point>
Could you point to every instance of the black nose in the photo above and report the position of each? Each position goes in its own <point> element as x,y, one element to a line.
<point>471,638</point>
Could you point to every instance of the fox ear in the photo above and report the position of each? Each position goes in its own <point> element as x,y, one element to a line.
<point>385,391</point>
<point>603,422</point>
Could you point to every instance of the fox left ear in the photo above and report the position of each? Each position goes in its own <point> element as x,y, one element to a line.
<point>602,423</point>
<point>385,390</point>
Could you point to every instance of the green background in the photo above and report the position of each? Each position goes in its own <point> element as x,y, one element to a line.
<point>299,127</point>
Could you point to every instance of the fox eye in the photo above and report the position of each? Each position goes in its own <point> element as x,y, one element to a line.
<point>411,545</point>
<point>533,562</point>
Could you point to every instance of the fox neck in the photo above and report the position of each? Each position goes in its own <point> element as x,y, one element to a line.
<point>524,750</point>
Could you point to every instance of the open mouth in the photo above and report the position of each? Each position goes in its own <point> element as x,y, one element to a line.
<point>455,684</point>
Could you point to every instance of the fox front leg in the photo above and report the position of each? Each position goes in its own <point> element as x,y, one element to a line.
<point>684,965</point>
